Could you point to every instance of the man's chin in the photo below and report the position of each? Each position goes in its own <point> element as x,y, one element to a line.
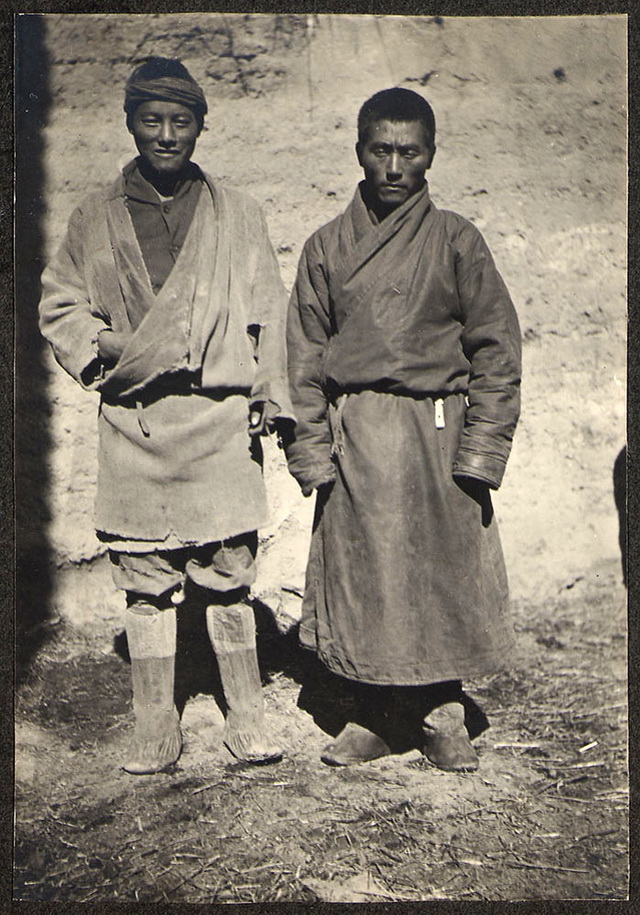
<point>392,198</point>
<point>168,167</point>
<point>159,165</point>
<point>393,201</point>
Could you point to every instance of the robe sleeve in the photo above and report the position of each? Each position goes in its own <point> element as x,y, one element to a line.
<point>492,343</point>
<point>308,329</point>
<point>68,319</point>
<point>268,314</point>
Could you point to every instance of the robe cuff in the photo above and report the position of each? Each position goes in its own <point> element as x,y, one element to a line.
<point>328,475</point>
<point>310,475</point>
<point>485,467</point>
<point>276,412</point>
<point>277,395</point>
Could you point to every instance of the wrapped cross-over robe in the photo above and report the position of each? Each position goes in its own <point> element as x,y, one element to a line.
<point>176,465</point>
<point>404,366</point>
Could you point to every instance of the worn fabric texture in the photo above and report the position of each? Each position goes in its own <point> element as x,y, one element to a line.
<point>165,89</point>
<point>176,463</point>
<point>406,581</point>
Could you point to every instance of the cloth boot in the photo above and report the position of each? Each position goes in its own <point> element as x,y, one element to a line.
<point>446,739</point>
<point>151,636</point>
<point>233,636</point>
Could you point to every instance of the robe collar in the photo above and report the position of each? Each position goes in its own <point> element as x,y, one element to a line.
<point>359,238</point>
<point>362,195</point>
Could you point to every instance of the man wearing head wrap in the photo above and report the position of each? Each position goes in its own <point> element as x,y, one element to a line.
<point>165,297</point>
<point>404,365</point>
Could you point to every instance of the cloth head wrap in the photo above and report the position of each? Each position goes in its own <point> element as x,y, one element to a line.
<point>164,89</point>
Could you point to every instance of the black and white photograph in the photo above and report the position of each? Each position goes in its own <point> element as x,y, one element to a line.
<point>320,458</point>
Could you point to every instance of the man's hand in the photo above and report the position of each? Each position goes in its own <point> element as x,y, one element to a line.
<point>473,486</point>
<point>257,419</point>
<point>111,344</point>
<point>480,492</point>
<point>263,417</point>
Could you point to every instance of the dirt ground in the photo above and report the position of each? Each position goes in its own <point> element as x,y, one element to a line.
<point>543,818</point>
<point>531,147</point>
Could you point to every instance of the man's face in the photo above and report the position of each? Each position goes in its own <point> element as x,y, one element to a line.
<point>394,157</point>
<point>165,134</point>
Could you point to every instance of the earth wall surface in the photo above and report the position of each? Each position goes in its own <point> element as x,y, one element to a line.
<point>531,147</point>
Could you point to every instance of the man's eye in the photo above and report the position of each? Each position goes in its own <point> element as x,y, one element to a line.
<point>183,124</point>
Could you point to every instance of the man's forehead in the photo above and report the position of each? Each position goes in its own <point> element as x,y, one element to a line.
<point>401,132</point>
<point>162,107</point>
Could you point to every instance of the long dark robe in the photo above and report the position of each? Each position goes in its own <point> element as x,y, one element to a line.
<point>406,581</point>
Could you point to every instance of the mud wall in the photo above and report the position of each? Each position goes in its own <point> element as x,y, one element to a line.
<point>531,147</point>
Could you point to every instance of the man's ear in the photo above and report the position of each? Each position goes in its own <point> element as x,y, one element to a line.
<point>433,152</point>
<point>359,152</point>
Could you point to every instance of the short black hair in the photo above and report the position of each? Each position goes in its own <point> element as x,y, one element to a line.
<point>395,105</point>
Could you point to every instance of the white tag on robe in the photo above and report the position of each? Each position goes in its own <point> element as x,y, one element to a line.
<point>439,409</point>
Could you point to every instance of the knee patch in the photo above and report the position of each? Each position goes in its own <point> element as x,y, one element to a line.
<point>231,628</point>
<point>151,633</point>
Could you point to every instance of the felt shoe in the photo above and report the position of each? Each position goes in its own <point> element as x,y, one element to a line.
<point>249,743</point>
<point>354,744</point>
<point>157,742</point>
<point>446,740</point>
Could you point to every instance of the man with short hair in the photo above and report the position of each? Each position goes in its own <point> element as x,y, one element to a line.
<point>166,298</point>
<point>404,368</point>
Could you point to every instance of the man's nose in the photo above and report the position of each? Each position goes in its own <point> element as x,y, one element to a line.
<point>167,134</point>
<point>394,166</point>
